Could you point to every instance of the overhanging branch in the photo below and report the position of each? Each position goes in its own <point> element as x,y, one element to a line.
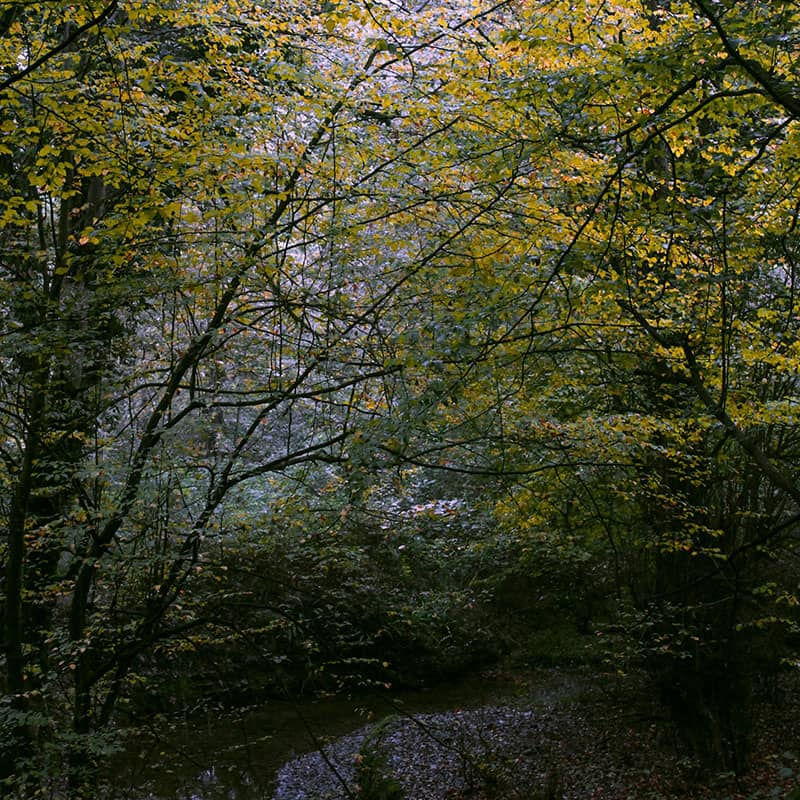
<point>67,42</point>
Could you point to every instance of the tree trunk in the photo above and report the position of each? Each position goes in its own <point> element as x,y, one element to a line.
<point>17,745</point>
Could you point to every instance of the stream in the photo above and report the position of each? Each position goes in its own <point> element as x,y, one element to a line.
<point>234,755</point>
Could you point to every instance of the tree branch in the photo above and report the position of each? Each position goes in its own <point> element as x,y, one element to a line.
<point>775,87</point>
<point>60,47</point>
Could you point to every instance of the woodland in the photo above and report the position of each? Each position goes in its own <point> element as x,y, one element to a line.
<point>351,343</point>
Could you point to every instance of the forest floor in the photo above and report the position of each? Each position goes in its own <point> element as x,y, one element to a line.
<point>608,743</point>
<point>559,735</point>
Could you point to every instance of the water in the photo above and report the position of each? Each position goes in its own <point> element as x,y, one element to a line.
<point>235,755</point>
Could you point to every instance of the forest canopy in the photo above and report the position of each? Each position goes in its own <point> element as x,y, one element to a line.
<point>281,282</point>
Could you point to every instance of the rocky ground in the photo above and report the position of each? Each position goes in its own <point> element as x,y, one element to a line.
<point>567,737</point>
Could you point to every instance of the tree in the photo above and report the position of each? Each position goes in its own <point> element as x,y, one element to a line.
<point>216,221</point>
<point>549,247</point>
<point>670,290</point>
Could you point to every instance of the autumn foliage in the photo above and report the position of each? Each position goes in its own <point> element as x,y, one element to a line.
<point>268,270</point>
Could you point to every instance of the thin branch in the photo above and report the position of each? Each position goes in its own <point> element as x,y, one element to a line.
<point>60,47</point>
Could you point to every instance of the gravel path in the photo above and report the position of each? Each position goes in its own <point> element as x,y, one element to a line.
<point>562,743</point>
<point>430,754</point>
